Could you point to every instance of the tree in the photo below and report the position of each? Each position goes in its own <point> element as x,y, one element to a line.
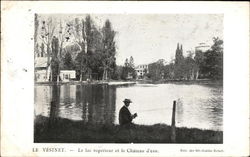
<point>109,50</point>
<point>125,70</point>
<point>190,67</point>
<point>213,67</point>
<point>199,61</point>
<point>82,33</point>
<point>156,70</point>
<point>47,33</point>
<point>68,62</point>
<point>42,50</point>
<point>179,63</point>
<point>36,33</point>
<point>131,62</point>
<point>118,72</point>
<point>179,55</point>
<point>54,61</point>
<point>169,71</point>
<point>131,67</point>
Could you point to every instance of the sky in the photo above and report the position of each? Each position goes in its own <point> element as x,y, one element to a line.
<point>150,37</point>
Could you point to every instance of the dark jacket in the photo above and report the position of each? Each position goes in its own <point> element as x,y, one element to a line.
<point>125,116</point>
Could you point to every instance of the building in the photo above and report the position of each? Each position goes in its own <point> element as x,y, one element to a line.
<point>141,70</point>
<point>41,69</point>
<point>67,75</point>
<point>203,47</point>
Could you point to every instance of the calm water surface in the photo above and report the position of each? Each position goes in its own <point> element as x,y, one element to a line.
<point>198,106</point>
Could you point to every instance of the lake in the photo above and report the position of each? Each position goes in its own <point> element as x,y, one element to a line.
<point>198,106</point>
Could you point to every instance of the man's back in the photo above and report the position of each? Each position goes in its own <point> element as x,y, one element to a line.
<point>124,116</point>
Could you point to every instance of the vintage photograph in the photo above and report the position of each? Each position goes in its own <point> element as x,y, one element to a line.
<point>128,78</point>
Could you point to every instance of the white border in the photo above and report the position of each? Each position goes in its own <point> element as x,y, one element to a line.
<point>17,85</point>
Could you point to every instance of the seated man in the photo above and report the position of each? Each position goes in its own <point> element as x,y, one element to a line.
<point>125,117</point>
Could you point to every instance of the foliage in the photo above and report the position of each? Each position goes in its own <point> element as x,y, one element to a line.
<point>68,62</point>
<point>179,68</point>
<point>189,68</point>
<point>91,51</point>
<point>125,70</point>
<point>213,67</point>
<point>169,71</point>
<point>156,70</point>
<point>208,64</point>
<point>128,70</point>
<point>109,51</point>
<point>81,46</point>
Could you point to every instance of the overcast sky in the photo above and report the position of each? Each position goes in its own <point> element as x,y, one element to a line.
<point>149,37</point>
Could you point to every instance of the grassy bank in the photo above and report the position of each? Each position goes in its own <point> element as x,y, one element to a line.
<point>67,131</point>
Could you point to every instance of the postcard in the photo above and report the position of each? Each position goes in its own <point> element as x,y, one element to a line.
<point>124,78</point>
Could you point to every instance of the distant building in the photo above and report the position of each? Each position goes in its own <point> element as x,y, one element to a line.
<point>203,47</point>
<point>41,69</point>
<point>141,70</point>
<point>67,75</point>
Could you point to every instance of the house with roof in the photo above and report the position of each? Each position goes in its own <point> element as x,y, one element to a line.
<point>141,70</point>
<point>42,70</point>
<point>67,75</point>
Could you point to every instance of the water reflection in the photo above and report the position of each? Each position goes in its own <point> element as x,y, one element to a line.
<point>197,106</point>
<point>54,105</point>
<point>89,103</point>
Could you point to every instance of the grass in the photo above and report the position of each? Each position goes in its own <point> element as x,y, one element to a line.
<point>67,131</point>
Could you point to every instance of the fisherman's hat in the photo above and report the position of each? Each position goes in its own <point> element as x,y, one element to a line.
<point>127,100</point>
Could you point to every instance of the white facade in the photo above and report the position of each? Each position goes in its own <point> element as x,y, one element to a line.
<point>67,75</point>
<point>141,69</point>
<point>41,70</point>
<point>203,47</point>
<point>41,75</point>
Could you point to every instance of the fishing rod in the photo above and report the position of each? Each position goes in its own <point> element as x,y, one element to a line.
<point>156,109</point>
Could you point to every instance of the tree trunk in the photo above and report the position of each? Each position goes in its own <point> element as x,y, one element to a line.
<point>48,62</point>
<point>104,76</point>
<point>197,74</point>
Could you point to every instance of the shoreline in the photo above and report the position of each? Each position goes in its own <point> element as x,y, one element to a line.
<point>60,130</point>
<point>121,82</point>
<point>201,82</point>
<point>117,83</point>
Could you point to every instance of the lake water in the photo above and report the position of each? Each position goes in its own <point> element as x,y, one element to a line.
<point>198,106</point>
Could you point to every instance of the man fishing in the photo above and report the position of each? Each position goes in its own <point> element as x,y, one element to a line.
<point>125,117</point>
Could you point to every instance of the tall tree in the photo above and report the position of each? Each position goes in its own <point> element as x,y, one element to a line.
<point>109,50</point>
<point>36,33</point>
<point>132,67</point>
<point>82,37</point>
<point>42,50</point>
<point>54,61</point>
<point>46,35</point>
<point>125,70</point>
<point>131,62</point>
<point>47,32</point>
<point>179,63</point>
<point>190,67</point>
<point>199,61</point>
